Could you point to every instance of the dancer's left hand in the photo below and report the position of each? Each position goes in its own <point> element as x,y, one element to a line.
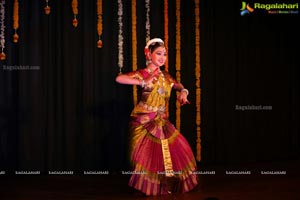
<point>182,98</point>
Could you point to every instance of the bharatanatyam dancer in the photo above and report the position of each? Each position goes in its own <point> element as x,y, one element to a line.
<point>162,160</point>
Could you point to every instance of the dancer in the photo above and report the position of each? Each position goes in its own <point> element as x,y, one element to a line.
<point>161,157</point>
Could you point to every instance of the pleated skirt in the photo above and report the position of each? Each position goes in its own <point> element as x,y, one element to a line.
<point>162,160</point>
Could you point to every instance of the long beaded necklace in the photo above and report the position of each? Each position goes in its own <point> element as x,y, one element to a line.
<point>161,79</point>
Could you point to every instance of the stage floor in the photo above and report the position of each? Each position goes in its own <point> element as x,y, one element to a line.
<point>263,181</point>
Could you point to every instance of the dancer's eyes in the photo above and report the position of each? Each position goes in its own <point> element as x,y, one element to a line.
<point>161,53</point>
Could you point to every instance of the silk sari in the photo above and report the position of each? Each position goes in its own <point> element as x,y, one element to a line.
<point>161,157</point>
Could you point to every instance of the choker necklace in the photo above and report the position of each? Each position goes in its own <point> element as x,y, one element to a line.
<point>150,71</point>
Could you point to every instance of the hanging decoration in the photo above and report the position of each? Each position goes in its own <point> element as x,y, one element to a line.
<point>2,28</point>
<point>16,21</point>
<point>166,36</point>
<point>47,8</point>
<point>120,36</point>
<point>75,12</point>
<point>147,6</point>
<point>197,73</point>
<point>166,29</point>
<point>134,45</point>
<point>178,61</point>
<point>99,24</point>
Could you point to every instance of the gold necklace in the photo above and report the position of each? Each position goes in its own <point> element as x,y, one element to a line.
<point>150,71</point>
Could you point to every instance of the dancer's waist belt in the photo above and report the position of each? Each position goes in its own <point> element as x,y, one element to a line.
<point>152,108</point>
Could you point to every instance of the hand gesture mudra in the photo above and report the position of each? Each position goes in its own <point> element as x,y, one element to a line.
<point>153,76</point>
<point>182,98</point>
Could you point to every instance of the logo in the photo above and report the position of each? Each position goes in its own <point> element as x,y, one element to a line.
<point>269,8</point>
<point>246,9</point>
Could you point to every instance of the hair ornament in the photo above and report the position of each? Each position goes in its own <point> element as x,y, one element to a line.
<point>152,41</point>
<point>146,50</point>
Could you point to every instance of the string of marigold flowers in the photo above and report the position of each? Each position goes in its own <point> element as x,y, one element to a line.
<point>134,45</point>
<point>197,74</point>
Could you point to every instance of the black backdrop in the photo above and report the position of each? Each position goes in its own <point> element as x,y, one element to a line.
<point>71,115</point>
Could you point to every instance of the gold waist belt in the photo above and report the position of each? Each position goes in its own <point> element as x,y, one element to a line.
<point>152,108</point>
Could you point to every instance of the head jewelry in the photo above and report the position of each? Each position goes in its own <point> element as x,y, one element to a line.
<point>146,50</point>
<point>152,41</point>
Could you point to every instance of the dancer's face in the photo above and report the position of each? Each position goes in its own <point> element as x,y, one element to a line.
<point>159,56</point>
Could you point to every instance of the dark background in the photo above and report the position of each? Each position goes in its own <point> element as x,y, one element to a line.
<point>71,115</point>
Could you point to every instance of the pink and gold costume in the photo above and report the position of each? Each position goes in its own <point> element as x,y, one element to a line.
<point>159,153</point>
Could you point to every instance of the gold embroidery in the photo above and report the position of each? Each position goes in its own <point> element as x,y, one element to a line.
<point>167,158</point>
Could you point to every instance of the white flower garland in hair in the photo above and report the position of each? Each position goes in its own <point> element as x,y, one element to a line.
<point>2,28</point>
<point>120,36</point>
<point>147,6</point>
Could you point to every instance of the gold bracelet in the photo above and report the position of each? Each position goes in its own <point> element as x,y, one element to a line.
<point>185,90</point>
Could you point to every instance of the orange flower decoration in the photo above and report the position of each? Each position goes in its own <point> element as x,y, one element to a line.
<point>99,23</point>
<point>178,61</point>
<point>99,43</point>
<point>16,21</point>
<point>197,73</point>
<point>2,56</point>
<point>75,12</point>
<point>47,8</point>
<point>75,22</point>
<point>15,38</point>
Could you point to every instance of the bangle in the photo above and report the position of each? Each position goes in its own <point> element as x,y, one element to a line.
<point>185,90</point>
<point>142,82</point>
